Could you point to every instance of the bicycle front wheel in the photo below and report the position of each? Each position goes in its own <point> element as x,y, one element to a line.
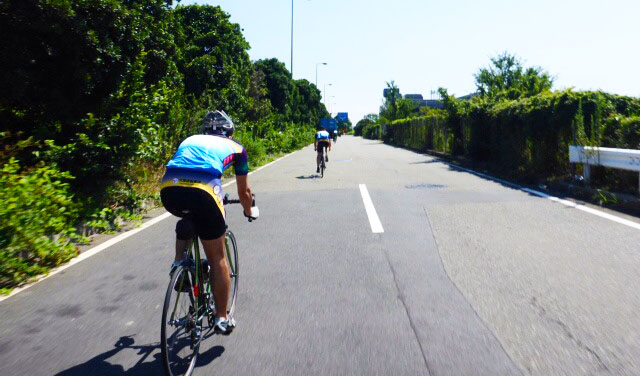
<point>232,258</point>
<point>181,330</point>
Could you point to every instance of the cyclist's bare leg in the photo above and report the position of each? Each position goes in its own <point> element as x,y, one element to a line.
<point>218,273</point>
<point>318,158</point>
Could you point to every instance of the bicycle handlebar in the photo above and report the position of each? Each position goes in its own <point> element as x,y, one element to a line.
<point>226,200</point>
<point>254,209</point>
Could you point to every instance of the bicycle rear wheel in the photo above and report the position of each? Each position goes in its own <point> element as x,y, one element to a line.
<point>181,331</point>
<point>322,167</point>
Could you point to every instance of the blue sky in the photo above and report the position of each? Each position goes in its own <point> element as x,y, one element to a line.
<point>424,44</point>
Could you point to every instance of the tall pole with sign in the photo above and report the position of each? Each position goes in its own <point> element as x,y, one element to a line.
<point>291,66</point>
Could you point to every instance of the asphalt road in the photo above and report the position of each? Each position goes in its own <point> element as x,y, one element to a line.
<point>469,277</point>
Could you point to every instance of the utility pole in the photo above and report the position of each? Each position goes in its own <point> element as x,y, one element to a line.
<point>317,71</point>
<point>291,66</point>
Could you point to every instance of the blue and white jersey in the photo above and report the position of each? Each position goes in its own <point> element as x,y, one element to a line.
<point>212,154</point>
<point>322,136</point>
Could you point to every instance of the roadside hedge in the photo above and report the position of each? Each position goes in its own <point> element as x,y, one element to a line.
<point>36,204</point>
<point>95,97</point>
<point>528,139</point>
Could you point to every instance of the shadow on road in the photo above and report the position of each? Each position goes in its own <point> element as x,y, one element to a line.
<point>99,365</point>
<point>309,177</point>
<point>435,160</point>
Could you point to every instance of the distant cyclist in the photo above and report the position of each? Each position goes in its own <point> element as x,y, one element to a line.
<point>192,185</point>
<point>335,135</point>
<point>321,144</point>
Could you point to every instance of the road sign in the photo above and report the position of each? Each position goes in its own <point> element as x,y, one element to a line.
<point>329,124</point>
<point>342,117</point>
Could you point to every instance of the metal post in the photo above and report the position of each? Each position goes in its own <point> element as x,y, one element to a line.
<point>291,39</point>
<point>317,72</point>
<point>586,174</point>
<point>324,96</point>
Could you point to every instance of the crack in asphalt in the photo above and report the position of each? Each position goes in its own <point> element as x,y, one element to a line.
<point>494,335</point>
<point>542,312</point>
<point>406,310</point>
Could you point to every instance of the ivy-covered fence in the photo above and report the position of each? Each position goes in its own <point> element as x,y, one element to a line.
<point>529,138</point>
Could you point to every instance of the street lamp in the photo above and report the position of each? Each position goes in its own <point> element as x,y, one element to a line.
<point>291,66</point>
<point>317,72</point>
<point>324,96</point>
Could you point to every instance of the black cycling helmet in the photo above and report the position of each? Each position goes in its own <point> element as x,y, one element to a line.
<point>217,122</point>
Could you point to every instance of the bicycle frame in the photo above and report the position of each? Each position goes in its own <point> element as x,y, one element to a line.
<point>193,253</point>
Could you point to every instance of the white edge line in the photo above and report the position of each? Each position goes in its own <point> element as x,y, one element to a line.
<point>587,209</point>
<point>101,247</point>
<point>90,252</point>
<point>568,203</point>
<point>374,220</point>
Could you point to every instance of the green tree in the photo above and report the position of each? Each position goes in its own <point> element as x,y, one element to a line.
<point>405,108</point>
<point>506,78</point>
<point>214,59</point>
<point>279,84</point>
<point>60,60</point>
<point>389,108</point>
<point>307,107</point>
<point>454,120</point>
<point>367,120</point>
<point>259,104</point>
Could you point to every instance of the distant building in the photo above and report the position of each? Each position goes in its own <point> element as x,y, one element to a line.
<point>415,98</point>
<point>467,97</point>
<point>420,102</point>
<point>385,92</point>
<point>432,103</point>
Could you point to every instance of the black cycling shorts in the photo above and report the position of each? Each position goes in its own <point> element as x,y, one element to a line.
<point>199,206</point>
<point>321,145</point>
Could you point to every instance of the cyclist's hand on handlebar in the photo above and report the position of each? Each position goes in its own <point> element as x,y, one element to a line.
<point>255,213</point>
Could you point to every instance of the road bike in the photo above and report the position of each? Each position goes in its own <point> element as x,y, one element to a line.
<point>189,301</point>
<point>323,166</point>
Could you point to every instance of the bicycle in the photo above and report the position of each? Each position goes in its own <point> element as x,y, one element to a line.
<point>323,166</point>
<point>189,286</point>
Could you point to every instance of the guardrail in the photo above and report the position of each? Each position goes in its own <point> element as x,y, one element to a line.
<point>625,159</point>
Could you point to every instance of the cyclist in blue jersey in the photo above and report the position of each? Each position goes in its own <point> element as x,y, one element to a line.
<point>192,185</point>
<point>321,143</point>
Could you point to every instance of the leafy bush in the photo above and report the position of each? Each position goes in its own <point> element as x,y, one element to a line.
<point>372,131</point>
<point>105,91</point>
<point>622,132</point>
<point>35,218</point>
<point>528,138</point>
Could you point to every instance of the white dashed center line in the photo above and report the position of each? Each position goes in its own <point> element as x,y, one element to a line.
<point>374,221</point>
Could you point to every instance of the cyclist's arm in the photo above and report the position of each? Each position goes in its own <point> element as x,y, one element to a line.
<point>244,193</point>
<point>241,166</point>
<point>329,143</point>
